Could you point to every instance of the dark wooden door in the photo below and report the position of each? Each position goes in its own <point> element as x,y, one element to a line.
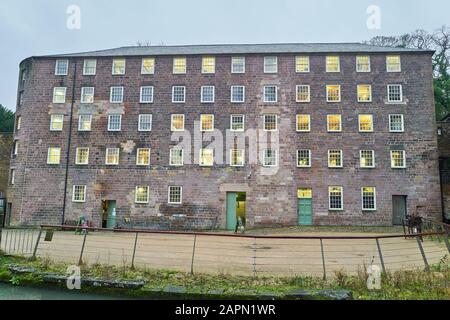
<point>398,210</point>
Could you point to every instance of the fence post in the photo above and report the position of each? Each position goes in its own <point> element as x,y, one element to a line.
<point>134,250</point>
<point>381,255</point>
<point>80,261</point>
<point>427,267</point>
<point>37,243</point>
<point>193,254</point>
<point>323,260</point>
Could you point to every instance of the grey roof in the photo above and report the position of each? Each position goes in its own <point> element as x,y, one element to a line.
<point>241,49</point>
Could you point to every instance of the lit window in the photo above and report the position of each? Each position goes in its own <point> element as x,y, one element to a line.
<point>333,64</point>
<point>177,122</point>
<point>270,64</point>
<point>82,156</point>
<point>116,95</point>
<point>369,198</point>
<point>59,95</point>
<point>12,175</point>
<point>367,158</point>
<point>207,122</point>
<point>208,65</point>
<point>304,193</point>
<point>237,94</point>
<point>118,66</point>
<point>143,157</point>
<point>335,159</point>
<point>146,95</point>
<point>87,95</point>
<point>79,194</point>
<point>238,65</point>
<point>270,93</point>
<point>396,123</point>
<point>302,64</point>
<point>62,67</point>
<point>148,66</point>
<point>304,158</point>
<point>395,93</point>
<point>175,195</point>
<point>145,122</point>
<point>303,123</point>
<point>207,94</point>
<point>178,94</point>
<point>365,123</point>
<point>393,64</point>
<point>270,122</point>
<point>207,157</point>
<point>84,122</point>
<point>237,157</point>
<point>334,123</point>
<point>237,122</point>
<point>179,65</point>
<point>176,157</point>
<point>270,158</point>
<point>18,123</point>
<point>303,93</point>
<point>364,93</point>
<point>90,67</point>
<point>56,122</point>
<point>114,122</point>
<point>333,93</point>
<point>398,159</point>
<point>112,156</point>
<point>142,194</point>
<point>335,197</point>
<point>54,156</point>
<point>363,64</point>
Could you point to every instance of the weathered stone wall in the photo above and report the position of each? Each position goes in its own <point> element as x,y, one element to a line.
<point>444,154</point>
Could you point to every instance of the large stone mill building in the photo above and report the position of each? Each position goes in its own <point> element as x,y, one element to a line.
<point>181,137</point>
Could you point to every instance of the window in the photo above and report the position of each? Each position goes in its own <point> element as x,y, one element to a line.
<point>302,64</point>
<point>270,64</point>
<point>116,95</point>
<point>237,122</point>
<point>334,123</point>
<point>207,157</point>
<point>238,65</point>
<point>177,122</point>
<point>304,158</point>
<point>82,156</point>
<point>143,157</point>
<point>21,98</point>
<point>12,176</point>
<point>114,122</point>
<point>237,94</point>
<point>18,123</point>
<point>333,93</point>
<point>118,67</point>
<point>369,198</point>
<point>142,194</point>
<point>178,94</point>
<point>396,123</point>
<point>270,122</point>
<point>176,157</point>
<point>90,67</point>
<point>148,66</point>
<point>270,158</point>
<point>145,122</point>
<point>335,196</point>
<point>333,64</point>
<point>335,159</point>
<point>87,95</point>
<point>62,67</point>
<point>59,95</point>
<point>84,122</point>
<point>175,195</point>
<point>206,122</point>
<point>237,157</point>
<point>303,123</point>
<point>23,77</point>
<point>208,65</point>
<point>207,94</point>
<point>270,93</point>
<point>146,95</point>
<point>364,93</point>
<point>362,63</point>
<point>303,93</point>
<point>367,159</point>
<point>395,93</point>
<point>56,122</point>
<point>304,193</point>
<point>179,65</point>
<point>365,123</point>
<point>393,64</point>
<point>112,156</point>
<point>398,159</point>
<point>54,155</point>
<point>79,194</point>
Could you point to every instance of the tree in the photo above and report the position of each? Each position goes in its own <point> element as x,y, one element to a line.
<point>6,120</point>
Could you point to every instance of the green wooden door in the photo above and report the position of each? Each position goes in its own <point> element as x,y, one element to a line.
<point>231,211</point>
<point>111,223</point>
<point>305,212</point>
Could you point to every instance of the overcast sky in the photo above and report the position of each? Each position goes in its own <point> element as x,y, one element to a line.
<point>37,27</point>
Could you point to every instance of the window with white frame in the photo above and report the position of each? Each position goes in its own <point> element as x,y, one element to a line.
<point>393,63</point>
<point>118,67</point>
<point>334,123</point>
<point>116,95</point>
<point>112,156</point>
<point>335,159</point>
<point>362,63</point>
<point>270,158</point>
<point>145,122</point>
<point>59,95</point>
<point>238,65</point>
<point>82,156</point>
<point>396,123</point>
<point>179,65</point>
<point>398,159</point>
<point>178,94</point>
<point>12,176</point>
<point>206,157</point>
<point>333,64</point>
<point>143,157</point>
<point>364,93</point>
<point>270,93</point>
<point>146,94</point>
<point>208,65</point>
<point>395,93</point>
<point>237,94</point>
<point>206,122</point>
<point>84,122</point>
<point>16,147</point>
<point>177,122</point>
<point>87,94</point>
<point>56,122</point>
<point>175,195</point>
<point>304,158</point>
<point>369,198</point>
<point>365,123</point>
<point>148,66</point>
<point>79,194</point>
<point>270,64</point>
<point>142,194</point>
<point>303,123</point>
<point>303,93</point>
<point>333,93</point>
<point>176,156</point>
<point>237,157</point>
<point>302,64</point>
<point>207,94</point>
<point>114,122</point>
<point>237,122</point>
<point>54,155</point>
<point>89,67</point>
<point>367,158</point>
<point>18,123</point>
<point>62,67</point>
<point>335,198</point>
<point>270,122</point>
